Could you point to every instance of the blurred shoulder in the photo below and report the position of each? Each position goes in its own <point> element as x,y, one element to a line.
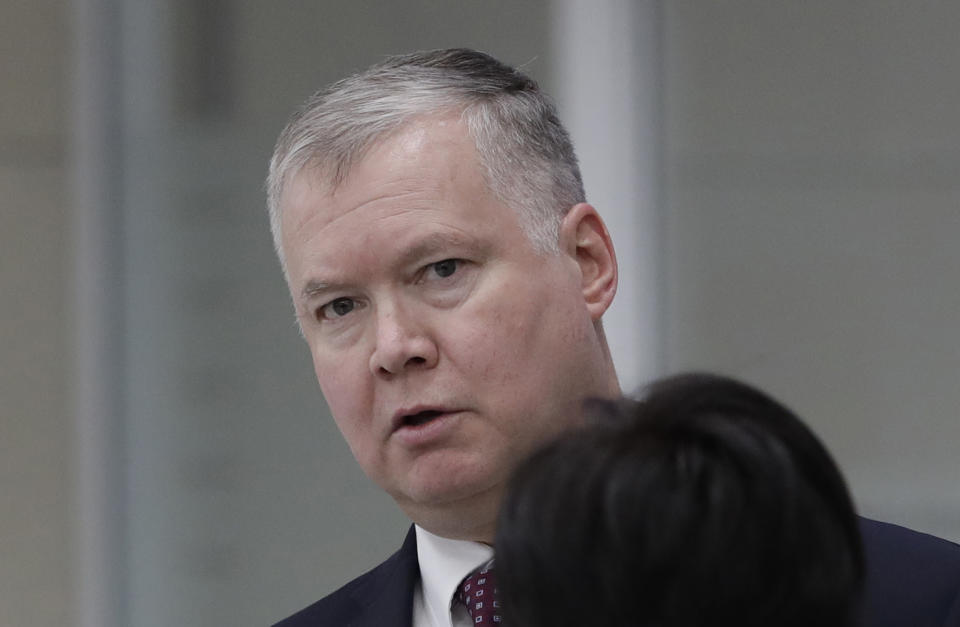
<point>911,576</point>
<point>885,541</point>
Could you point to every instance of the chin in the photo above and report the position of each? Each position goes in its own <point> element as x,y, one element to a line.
<point>445,476</point>
<point>450,491</point>
<point>450,497</point>
<point>464,519</point>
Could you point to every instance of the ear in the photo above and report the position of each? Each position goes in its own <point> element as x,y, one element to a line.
<point>584,237</point>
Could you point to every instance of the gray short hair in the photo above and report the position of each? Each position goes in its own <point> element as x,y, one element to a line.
<point>526,152</point>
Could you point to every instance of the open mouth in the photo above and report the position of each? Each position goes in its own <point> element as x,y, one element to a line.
<point>420,418</point>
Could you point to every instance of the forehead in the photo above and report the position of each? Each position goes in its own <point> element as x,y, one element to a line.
<point>426,175</point>
<point>429,154</point>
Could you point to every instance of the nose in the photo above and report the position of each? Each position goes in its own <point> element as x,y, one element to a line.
<point>402,343</point>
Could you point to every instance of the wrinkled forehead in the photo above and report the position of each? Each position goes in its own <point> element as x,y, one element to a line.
<point>431,164</point>
<point>333,160</point>
<point>417,151</point>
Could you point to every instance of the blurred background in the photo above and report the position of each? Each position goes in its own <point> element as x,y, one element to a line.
<point>782,180</point>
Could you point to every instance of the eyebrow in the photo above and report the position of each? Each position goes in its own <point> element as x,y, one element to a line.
<point>434,243</point>
<point>424,247</point>
<point>314,287</point>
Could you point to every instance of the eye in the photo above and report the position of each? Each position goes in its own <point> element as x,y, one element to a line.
<point>336,308</point>
<point>445,268</point>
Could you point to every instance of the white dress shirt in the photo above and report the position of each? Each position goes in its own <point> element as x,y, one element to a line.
<point>443,565</point>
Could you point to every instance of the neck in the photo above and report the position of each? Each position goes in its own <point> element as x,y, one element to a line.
<point>610,376</point>
<point>474,519</point>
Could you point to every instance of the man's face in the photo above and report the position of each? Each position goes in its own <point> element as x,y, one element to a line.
<point>446,346</point>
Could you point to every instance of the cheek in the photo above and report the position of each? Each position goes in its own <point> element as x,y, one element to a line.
<point>501,350</point>
<point>490,343</point>
<point>531,361</point>
<point>343,389</point>
<point>530,332</point>
<point>350,410</point>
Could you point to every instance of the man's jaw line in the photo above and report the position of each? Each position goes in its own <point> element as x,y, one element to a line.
<point>476,512</point>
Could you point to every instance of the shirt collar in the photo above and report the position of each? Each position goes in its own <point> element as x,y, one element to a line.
<point>443,565</point>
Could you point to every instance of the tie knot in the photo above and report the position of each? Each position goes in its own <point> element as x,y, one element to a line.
<point>478,593</point>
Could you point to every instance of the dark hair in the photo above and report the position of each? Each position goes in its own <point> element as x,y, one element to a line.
<point>706,503</point>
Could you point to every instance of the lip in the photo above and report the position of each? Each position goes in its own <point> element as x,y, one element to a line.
<point>418,434</point>
<point>399,419</point>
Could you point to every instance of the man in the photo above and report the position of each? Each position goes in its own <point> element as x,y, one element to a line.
<point>450,280</point>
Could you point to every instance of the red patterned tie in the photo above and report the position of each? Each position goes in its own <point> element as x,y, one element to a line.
<point>478,592</point>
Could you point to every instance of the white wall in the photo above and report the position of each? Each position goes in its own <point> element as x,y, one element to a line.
<point>608,80</point>
<point>813,215</point>
<point>35,317</point>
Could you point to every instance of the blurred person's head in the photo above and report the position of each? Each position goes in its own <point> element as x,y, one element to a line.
<point>705,503</point>
<point>446,274</point>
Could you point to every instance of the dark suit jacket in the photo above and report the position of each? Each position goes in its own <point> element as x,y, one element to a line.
<point>913,580</point>
<point>382,597</point>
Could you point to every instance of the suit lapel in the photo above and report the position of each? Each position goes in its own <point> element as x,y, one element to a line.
<point>387,599</point>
